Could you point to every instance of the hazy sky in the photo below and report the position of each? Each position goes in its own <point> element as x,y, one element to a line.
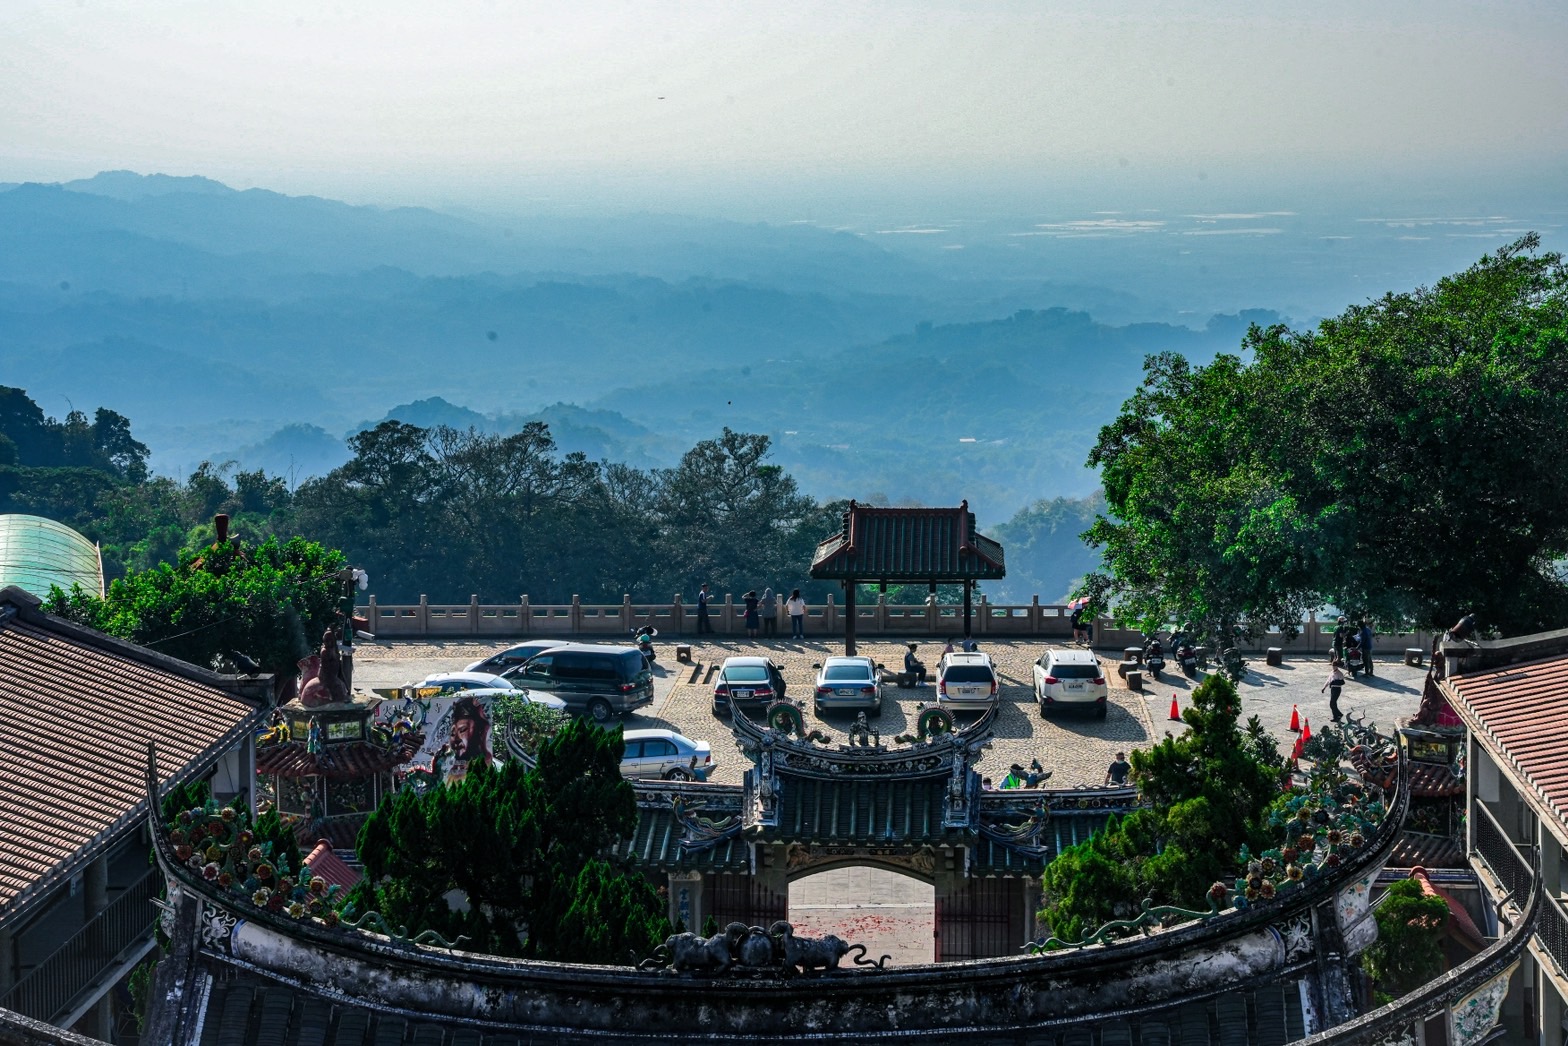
<point>414,100</point>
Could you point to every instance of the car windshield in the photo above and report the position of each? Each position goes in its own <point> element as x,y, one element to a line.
<point>846,673</point>
<point>1076,671</point>
<point>967,674</point>
<point>746,674</point>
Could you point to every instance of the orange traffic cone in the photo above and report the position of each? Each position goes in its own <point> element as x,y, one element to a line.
<point>1295,720</point>
<point>1306,731</point>
<point>1295,753</point>
<point>1175,712</point>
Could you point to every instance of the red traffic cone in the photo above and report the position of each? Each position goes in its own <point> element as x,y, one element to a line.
<point>1306,731</point>
<point>1295,720</point>
<point>1295,753</point>
<point>1175,712</point>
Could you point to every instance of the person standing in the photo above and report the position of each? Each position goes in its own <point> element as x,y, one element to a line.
<point>1078,633</point>
<point>1342,632</point>
<point>703,624</point>
<point>1366,646</point>
<point>753,625</point>
<point>796,608</point>
<point>769,609</point>
<point>1336,683</point>
<point>1116,773</point>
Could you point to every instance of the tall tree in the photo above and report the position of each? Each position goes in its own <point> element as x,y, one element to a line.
<point>1398,460</point>
<point>527,849</point>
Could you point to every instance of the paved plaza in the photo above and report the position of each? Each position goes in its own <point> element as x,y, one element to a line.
<point>889,912</point>
<point>1075,749</point>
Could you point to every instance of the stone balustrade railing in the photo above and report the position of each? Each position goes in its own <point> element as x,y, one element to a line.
<point>1049,621</point>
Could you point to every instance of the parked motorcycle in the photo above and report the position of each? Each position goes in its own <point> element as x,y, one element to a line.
<point>1154,658</point>
<point>1354,661</point>
<point>644,643</point>
<point>1186,658</point>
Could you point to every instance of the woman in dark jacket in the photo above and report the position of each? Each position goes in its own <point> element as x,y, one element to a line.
<point>753,623</point>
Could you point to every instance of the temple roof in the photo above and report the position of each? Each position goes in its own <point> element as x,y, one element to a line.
<point>908,544</point>
<point>1521,709</point>
<point>79,708</point>
<point>340,760</point>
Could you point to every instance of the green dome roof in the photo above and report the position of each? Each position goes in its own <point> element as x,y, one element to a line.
<point>36,553</point>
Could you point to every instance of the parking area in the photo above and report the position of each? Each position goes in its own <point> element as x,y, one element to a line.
<point>1075,749</point>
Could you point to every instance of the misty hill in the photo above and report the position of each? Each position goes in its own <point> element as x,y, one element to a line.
<point>999,412</point>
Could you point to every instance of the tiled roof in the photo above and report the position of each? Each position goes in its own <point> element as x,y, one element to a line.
<point>1419,849</point>
<point>1523,709</point>
<point>992,858</point>
<point>656,844</point>
<point>330,866</point>
<point>76,712</point>
<point>862,811</point>
<point>343,760</point>
<point>1427,780</point>
<point>908,544</point>
<point>1459,922</point>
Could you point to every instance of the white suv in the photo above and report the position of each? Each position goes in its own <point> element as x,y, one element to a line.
<point>966,680</point>
<point>1070,678</point>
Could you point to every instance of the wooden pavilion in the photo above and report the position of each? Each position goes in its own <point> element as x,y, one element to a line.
<point>907,545</point>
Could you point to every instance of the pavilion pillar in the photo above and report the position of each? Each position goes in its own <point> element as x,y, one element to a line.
<point>968,608</point>
<point>849,617</point>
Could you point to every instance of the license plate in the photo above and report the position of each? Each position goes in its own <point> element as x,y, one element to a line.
<point>1075,686</point>
<point>743,693</point>
<point>846,692</point>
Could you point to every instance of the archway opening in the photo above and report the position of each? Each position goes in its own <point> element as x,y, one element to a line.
<point>890,913</point>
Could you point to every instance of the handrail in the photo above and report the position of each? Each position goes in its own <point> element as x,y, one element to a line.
<point>1499,852</point>
<point>49,988</point>
<point>1386,1021</point>
<point>1552,931</point>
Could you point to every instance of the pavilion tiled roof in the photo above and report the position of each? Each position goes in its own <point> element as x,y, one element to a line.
<point>908,544</point>
<point>341,760</point>
<point>1523,710</point>
<point>327,864</point>
<point>77,709</point>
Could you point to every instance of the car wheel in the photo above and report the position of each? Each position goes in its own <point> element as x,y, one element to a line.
<point>1043,713</point>
<point>678,775</point>
<point>875,711</point>
<point>599,710</point>
<point>816,710</point>
<point>1100,713</point>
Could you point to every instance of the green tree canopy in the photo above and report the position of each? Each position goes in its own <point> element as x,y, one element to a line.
<point>1400,460</point>
<point>1408,952</point>
<point>527,848</point>
<point>1208,793</point>
<point>271,602</point>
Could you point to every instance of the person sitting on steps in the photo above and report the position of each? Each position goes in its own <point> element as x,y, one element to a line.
<point>914,666</point>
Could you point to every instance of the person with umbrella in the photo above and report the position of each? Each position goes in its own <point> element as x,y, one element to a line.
<point>1081,625</point>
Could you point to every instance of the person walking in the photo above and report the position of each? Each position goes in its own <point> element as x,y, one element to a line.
<point>1336,683</point>
<point>704,626</point>
<point>753,625</point>
<point>768,607</point>
<point>1342,631</point>
<point>1366,646</point>
<point>796,608</point>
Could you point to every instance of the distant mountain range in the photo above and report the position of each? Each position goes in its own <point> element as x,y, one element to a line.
<point>267,328</point>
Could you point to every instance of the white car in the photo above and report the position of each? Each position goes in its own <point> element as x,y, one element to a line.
<point>966,680</point>
<point>1070,679</point>
<point>652,754</point>
<point>483,684</point>
<point>514,656</point>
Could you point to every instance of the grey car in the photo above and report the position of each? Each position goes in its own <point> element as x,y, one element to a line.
<point>652,754</point>
<point>851,683</point>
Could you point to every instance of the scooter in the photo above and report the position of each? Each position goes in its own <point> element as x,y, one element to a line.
<point>644,643</point>
<point>1353,659</point>
<point>1154,658</point>
<point>1187,659</point>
